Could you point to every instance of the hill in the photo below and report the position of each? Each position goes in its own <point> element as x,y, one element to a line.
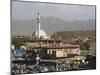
<point>70,35</point>
<point>50,25</point>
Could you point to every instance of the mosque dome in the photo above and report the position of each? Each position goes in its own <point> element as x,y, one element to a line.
<point>39,32</point>
<point>42,34</point>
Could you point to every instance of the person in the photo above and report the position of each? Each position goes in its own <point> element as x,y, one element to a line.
<point>37,59</point>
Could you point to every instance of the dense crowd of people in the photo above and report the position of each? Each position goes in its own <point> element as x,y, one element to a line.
<point>26,68</point>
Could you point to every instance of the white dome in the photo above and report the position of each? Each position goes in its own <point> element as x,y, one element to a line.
<point>42,34</point>
<point>39,32</point>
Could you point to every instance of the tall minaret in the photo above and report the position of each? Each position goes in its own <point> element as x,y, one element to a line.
<point>38,25</point>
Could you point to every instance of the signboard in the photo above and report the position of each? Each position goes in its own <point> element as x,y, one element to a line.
<point>74,51</point>
<point>61,53</point>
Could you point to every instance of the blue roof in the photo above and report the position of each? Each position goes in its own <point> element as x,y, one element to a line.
<point>18,52</point>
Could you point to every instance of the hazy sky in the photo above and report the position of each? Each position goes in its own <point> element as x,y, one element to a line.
<point>28,11</point>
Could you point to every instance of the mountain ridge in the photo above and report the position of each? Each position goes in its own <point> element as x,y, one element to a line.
<point>50,25</point>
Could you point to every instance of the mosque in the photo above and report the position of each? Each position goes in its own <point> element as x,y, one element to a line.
<point>39,33</point>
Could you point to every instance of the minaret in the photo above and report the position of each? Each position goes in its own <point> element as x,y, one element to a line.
<point>38,26</point>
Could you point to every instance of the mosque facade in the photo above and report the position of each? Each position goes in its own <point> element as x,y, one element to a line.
<point>39,33</point>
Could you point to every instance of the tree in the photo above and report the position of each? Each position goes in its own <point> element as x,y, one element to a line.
<point>85,46</point>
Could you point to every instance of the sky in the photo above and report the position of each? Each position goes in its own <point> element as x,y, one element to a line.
<point>29,10</point>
